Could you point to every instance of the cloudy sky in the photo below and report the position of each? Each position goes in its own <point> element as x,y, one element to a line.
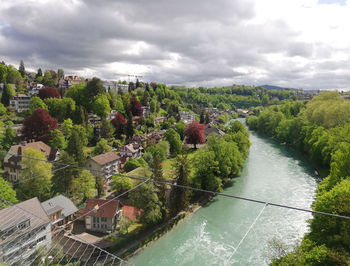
<point>292,43</point>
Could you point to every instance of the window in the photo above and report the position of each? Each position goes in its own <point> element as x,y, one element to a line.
<point>103,219</point>
<point>96,219</point>
<point>40,239</point>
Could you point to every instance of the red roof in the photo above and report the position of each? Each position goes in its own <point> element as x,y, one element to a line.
<point>108,210</point>
<point>131,212</point>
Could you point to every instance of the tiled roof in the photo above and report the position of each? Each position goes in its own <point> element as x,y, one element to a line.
<point>108,210</point>
<point>38,145</point>
<point>105,158</point>
<point>59,203</point>
<point>131,212</point>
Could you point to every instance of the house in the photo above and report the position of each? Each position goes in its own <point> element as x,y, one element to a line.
<point>20,102</point>
<point>108,163</point>
<point>213,130</point>
<point>24,228</point>
<point>114,86</point>
<point>60,210</point>
<point>94,119</point>
<point>242,112</point>
<point>102,215</point>
<point>145,111</point>
<point>155,137</point>
<point>34,90</point>
<point>130,212</point>
<point>13,158</point>
<point>160,119</point>
<point>132,150</point>
<point>187,117</point>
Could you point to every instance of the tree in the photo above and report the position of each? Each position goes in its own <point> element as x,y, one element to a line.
<point>121,183</point>
<point>35,176</point>
<point>202,117</point>
<point>100,106</point>
<point>13,76</point>
<point>2,109</point>
<point>7,192</point>
<point>22,69</point>
<point>133,163</point>
<point>119,123</point>
<point>57,140</point>
<point>195,133</point>
<point>80,115</point>
<point>48,80</point>
<point>205,169</point>
<point>35,103</point>
<point>60,108</point>
<point>62,178</point>
<point>75,147</point>
<point>95,87</point>
<point>124,224</point>
<point>7,94</point>
<point>38,125</point>
<point>39,73</point>
<point>129,129</point>
<point>157,151</point>
<point>67,127</point>
<point>106,130</point>
<point>174,140</point>
<point>82,186</point>
<point>179,197</point>
<point>145,198</point>
<point>60,73</point>
<point>3,73</point>
<point>48,92</point>
<point>101,147</point>
<point>135,107</point>
<point>10,137</point>
<point>180,128</point>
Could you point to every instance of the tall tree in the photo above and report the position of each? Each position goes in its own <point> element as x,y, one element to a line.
<point>106,130</point>
<point>202,117</point>
<point>174,140</point>
<point>195,133</point>
<point>35,177</point>
<point>48,80</point>
<point>57,140</point>
<point>95,87</point>
<point>129,130</point>
<point>7,94</point>
<point>101,147</point>
<point>60,73</point>
<point>22,69</point>
<point>135,107</point>
<point>119,123</point>
<point>38,125</point>
<point>75,147</point>
<point>100,106</point>
<point>35,103</point>
<point>3,73</point>
<point>13,75</point>
<point>39,73</point>
<point>82,186</point>
<point>180,197</point>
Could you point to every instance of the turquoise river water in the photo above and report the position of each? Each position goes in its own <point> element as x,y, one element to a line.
<point>271,173</point>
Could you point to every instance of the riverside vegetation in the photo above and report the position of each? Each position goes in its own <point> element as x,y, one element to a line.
<point>320,129</point>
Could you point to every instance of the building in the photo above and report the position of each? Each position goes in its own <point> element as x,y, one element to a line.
<point>102,215</point>
<point>132,150</point>
<point>60,210</point>
<point>34,90</point>
<point>24,227</point>
<point>13,158</point>
<point>20,102</point>
<point>115,86</point>
<point>213,130</point>
<point>130,212</point>
<point>108,163</point>
<point>187,117</point>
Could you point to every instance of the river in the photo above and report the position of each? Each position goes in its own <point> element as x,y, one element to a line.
<point>273,173</point>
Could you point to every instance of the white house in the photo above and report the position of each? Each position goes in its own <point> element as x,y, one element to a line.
<point>24,228</point>
<point>187,117</point>
<point>20,102</point>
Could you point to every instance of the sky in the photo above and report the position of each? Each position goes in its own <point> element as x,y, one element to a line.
<point>288,43</point>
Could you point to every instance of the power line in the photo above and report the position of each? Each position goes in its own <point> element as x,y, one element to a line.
<point>203,190</point>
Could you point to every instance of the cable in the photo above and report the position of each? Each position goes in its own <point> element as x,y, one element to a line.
<point>205,191</point>
<point>245,235</point>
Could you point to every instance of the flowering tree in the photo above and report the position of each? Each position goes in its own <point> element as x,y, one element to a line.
<point>195,133</point>
<point>49,92</point>
<point>39,125</point>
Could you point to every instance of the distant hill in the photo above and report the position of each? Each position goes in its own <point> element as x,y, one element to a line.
<point>271,87</point>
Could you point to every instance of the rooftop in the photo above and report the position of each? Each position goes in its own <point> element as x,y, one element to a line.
<point>105,158</point>
<point>108,210</point>
<point>59,203</point>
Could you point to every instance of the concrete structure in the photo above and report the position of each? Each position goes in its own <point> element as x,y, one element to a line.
<point>60,210</point>
<point>24,228</point>
<point>115,86</point>
<point>102,215</point>
<point>187,117</point>
<point>20,102</point>
<point>107,162</point>
<point>13,159</point>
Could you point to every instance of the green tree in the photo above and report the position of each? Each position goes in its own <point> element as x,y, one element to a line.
<point>13,76</point>
<point>57,140</point>
<point>75,147</point>
<point>129,130</point>
<point>67,127</point>
<point>174,140</point>
<point>7,192</point>
<point>48,79</point>
<point>3,73</point>
<point>180,128</point>
<point>35,177</point>
<point>179,197</point>
<point>7,94</point>
<point>35,103</point>
<point>82,186</point>
<point>101,147</point>
<point>121,183</point>
<point>205,169</point>
<point>124,224</point>
<point>21,69</point>
<point>60,73</point>
<point>10,137</point>
<point>145,198</point>
<point>106,130</point>
<point>100,106</point>
<point>133,163</point>
<point>95,87</point>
